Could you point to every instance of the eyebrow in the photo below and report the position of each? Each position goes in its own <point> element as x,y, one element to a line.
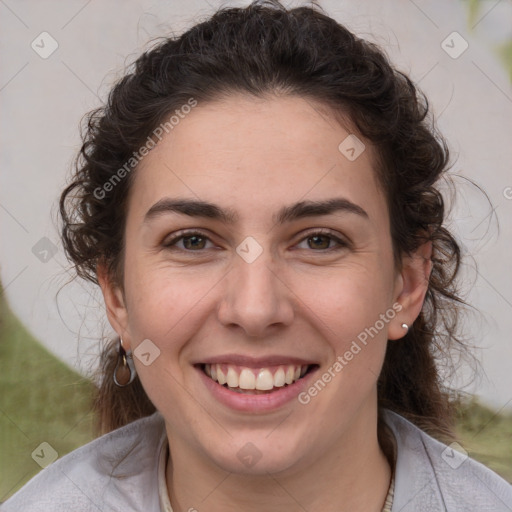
<point>302,209</point>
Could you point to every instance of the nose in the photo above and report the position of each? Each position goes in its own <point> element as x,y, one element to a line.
<point>255,298</point>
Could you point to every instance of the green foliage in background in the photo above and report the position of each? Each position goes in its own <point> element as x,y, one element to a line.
<point>504,50</point>
<point>486,436</point>
<point>41,399</point>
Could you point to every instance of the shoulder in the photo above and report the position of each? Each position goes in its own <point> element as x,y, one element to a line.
<point>106,474</point>
<point>432,476</point>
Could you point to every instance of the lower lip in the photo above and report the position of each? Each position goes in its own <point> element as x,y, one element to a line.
<point>256,403</point>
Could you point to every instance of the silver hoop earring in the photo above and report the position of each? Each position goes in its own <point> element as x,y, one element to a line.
<point>406,327</point>
<point>125,372</point>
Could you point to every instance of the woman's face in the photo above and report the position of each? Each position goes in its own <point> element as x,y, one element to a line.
<point>255,243</point>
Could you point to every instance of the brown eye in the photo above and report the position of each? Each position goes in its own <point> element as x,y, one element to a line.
<point>194,242</point>
<point>319,242</point>
<point>191,242</point>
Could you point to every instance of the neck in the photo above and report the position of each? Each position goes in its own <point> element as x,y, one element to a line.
<point>352,475</point>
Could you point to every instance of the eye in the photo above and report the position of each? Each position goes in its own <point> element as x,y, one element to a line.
<point>323,241</point>
<point>192,241</point>
<point>196,241</point>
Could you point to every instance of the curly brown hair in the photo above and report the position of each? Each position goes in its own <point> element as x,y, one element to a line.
<point>267,49</point>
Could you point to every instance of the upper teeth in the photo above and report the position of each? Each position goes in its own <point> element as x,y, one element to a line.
<point>261,379</point>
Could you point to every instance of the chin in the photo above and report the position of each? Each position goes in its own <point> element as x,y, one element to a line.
<point>245,457</point>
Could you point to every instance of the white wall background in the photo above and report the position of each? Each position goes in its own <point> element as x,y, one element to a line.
<point>42,101</point>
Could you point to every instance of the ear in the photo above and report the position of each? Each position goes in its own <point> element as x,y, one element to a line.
<point>411,288</point>
<point>114,302</point>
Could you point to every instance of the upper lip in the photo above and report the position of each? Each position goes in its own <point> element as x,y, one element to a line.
<point>256,362</point>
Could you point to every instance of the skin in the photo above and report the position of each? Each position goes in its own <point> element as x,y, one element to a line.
<point>298,298</point>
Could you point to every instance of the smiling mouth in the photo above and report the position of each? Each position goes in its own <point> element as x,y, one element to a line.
<point>253,381</point>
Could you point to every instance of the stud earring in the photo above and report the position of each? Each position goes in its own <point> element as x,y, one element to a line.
<point>406,327</point>
<point>124,372</point>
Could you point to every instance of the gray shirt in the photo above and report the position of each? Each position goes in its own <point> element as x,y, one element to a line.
<point>121,472</point>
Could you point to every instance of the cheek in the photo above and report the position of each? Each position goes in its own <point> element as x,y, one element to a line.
<point>353,321</point>
<point>344,301</point>
<point>351,312</point>
<point>168,311</point>
<point>164,304</point>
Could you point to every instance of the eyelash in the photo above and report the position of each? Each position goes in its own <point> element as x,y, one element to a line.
<point>171,244</point>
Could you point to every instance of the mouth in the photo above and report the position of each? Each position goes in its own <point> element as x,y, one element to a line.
<point>256,381</point>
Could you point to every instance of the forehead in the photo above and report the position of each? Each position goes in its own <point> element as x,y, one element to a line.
<point>253,153</point>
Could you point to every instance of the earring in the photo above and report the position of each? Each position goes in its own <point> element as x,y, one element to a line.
<point>124,372</point>
<point>406,327</point>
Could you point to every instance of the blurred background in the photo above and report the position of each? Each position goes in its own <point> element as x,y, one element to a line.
<point>59,60</point>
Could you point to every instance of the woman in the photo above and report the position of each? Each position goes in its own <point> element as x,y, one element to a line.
<point>258,203</point>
